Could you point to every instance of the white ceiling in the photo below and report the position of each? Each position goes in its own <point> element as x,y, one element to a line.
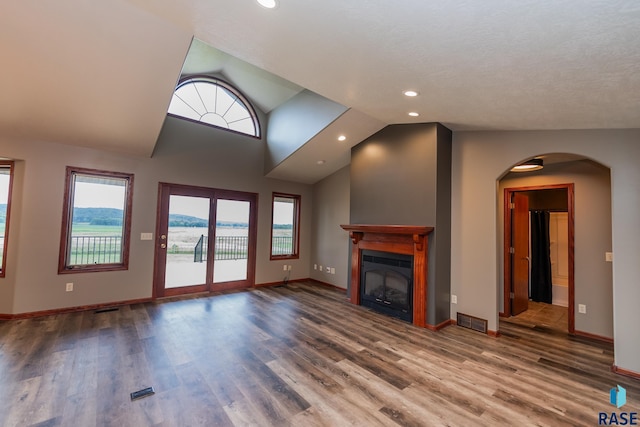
<point>102,73</point>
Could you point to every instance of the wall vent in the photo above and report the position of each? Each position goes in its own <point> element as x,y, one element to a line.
<point>471,322</point>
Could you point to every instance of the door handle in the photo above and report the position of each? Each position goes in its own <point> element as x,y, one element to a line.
<point>163,246</point>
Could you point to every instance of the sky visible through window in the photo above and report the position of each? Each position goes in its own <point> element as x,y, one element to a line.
<point>208,101</point>
<point>4,185</point>
<point>283,212</point>
<point>228,210</point>
<point>91,195</point>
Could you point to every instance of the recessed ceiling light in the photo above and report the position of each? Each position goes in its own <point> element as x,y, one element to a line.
<point>342,138</point>
<point>269,4</point>
<point>529,166</point>
<point>321,162</point>
<point>410,93</point>
<point>414,114</point>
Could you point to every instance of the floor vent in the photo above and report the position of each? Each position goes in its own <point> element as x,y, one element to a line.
<point>471,322</point>
<point>105,310</point>
<point>142,393</point>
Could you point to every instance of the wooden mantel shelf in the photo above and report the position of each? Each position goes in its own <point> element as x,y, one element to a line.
<point>357,232</point>
<point>402,239</point>
<point>388,229</point>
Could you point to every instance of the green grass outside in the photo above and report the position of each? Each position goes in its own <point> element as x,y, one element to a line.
<point>86,229</point>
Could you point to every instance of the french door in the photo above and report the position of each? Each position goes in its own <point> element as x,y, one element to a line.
<point>205,240</point>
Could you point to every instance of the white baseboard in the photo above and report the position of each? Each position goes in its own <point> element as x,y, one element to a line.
<point>560,295</point>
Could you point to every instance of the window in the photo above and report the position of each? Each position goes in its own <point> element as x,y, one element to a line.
<point>6,180</point>
<point>285,226</point>
<point>214,102</point>
<point>96,221</point>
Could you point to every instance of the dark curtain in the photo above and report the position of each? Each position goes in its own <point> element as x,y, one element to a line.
<point>540,257</point>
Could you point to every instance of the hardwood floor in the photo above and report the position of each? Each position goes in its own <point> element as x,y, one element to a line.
<point>296,355</point>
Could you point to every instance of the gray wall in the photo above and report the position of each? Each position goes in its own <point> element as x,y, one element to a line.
<point>295,122</point>
<point>480,159</point>
<point>186,153</point>
<point>401,175</point>
<point>329,242</point>
<point>593,275</point>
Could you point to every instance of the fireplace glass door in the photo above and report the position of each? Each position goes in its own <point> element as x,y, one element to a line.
<point>386,283</point>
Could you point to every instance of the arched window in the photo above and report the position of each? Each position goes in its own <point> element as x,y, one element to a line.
<point>214,102</point>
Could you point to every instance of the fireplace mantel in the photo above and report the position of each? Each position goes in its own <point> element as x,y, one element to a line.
<point>402,239</point>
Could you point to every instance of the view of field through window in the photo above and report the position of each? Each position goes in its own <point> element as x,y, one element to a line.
<point>5,181</point>
<point>97,220</point>
<point>284,214</point>
<point>97,232</point>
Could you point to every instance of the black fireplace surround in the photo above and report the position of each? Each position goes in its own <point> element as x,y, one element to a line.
<point>386,283</point>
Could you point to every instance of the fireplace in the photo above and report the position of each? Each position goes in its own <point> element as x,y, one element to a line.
<point>408,240</point>
<point>386,283</point>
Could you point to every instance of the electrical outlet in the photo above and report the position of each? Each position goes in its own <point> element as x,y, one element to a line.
<point>608,256</point>
<point>69,287</point>
<point>315,266</point>
<point>454,299</point>
<point>333,270</point>
<point>320,268</point>
<point>289,268</point>
<point>284,267</point>
<point>582,309</point>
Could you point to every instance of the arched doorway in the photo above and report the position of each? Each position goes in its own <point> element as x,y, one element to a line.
<point>589,299</point>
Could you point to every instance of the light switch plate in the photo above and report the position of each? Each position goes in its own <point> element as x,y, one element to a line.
<point>608,256</point>
<point>582,309</point>
<point>454,299</point>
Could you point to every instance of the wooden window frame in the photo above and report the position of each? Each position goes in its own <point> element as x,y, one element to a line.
<point>11,165</point>
<point>296,226</point>
<point>67,210</point>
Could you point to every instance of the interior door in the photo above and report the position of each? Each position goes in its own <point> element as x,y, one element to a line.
<point>520,255</point>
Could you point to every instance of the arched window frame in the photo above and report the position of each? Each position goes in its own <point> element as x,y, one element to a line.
<point>233,90</point>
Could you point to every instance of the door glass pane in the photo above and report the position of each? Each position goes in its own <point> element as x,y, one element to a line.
<point>187,241</point>
<point>232,236</point>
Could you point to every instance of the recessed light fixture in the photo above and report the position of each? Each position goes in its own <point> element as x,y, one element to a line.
<point>528,166</point>
<point>342,138</point>
<point>410,93</point>
<point>321,162</point>
<point>414,114</point>
<point>269,4</point>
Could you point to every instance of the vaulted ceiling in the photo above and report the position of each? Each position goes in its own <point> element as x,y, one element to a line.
<point>101,74</point>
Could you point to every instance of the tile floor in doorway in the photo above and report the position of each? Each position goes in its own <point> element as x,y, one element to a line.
<point>545,315</point>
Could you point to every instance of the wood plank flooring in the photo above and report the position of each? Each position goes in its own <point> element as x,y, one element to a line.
<point>296,355</point>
